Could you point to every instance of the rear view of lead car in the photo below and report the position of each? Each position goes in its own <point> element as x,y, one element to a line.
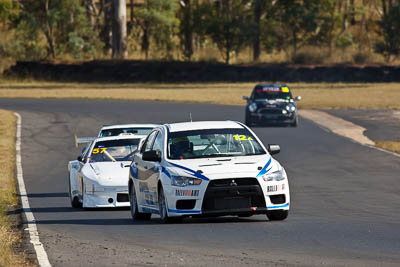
<point>212,168</point>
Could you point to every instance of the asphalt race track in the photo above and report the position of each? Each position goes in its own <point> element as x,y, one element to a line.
<point>344,208</point>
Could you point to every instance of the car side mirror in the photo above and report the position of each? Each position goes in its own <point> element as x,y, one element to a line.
<point>297,98</point>
<point>79,158</point>
<point>274,149</point>
<point>152,155</point>
<point>245,98</point>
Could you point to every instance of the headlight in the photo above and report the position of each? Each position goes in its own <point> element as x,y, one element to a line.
<point>291,108</point>
<point>278,175</point>
<point>253,107</point>
<point>184,181</point>
<point>91,188</point>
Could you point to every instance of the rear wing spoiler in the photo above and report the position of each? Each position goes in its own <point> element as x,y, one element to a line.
<point>83,140</point>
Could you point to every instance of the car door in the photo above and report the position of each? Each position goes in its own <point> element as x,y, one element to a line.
<point>155,170</point>
<point>145,197</point>
<point>82,162</point>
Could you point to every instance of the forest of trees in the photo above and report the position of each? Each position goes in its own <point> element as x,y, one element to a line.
<point>183,29</point>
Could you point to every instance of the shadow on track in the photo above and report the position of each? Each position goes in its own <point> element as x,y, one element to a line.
<point>43,195</point>
<point>129,221</point>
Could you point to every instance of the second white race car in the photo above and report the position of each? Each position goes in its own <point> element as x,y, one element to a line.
<point>99,177</point>
<point>118,129</point>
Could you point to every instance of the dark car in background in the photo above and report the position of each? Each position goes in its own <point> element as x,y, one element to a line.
<point>271,104</point>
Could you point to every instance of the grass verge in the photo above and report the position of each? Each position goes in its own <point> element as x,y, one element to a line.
<point>315,95</point>
<point>8,193</point>
<point>389,145</point>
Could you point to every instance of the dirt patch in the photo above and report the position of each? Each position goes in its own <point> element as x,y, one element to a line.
<point>174,71</point>
<point>24,248</point>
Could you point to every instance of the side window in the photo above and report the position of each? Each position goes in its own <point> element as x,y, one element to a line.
<point>149,142</point>
<point>85,152</point>
<point>158,143</point>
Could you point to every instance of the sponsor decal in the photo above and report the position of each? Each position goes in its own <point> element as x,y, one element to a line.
<point>274,89</point>
<point>274,188</point>
<point>149,198</point>
<point>265,169</point>
<point>271,89</point>
<point>186,193</point>
<point>191,172</point>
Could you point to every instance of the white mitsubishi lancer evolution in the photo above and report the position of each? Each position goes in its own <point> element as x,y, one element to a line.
<point>99,178</point>
<point>211,168</point>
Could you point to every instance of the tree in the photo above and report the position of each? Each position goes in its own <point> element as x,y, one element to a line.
<point>158,22</point>
<point>186,28</point>
<point>229,26</point>
<point>63,24</point>
<point>256,29</point>
<point>299,21</point>
<point>5,10</point>
<point>389,30</point>
<point>119,29</point>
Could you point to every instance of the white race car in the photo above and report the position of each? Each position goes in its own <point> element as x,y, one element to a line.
<point>99,177</point>
<point>207,169</point>
<point>121,129</point>
<point>118,129</point>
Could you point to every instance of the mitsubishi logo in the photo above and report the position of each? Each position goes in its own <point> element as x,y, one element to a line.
<point>233,183</point>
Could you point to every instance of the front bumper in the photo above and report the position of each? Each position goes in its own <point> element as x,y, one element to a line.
<point>111,197</point>
<point>245,196</point>
<point>273,117</point>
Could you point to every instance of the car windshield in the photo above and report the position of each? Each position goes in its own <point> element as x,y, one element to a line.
<point>119,131</point>
<point>212,143</point>
<point>114,150</point>
<point>272,93</point>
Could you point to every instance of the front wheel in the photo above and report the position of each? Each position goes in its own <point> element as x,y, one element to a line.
<point>162,205</point>
<point>248,120</point>
<point>75,203</point>
<point>277,215</point>
<point>295,123</point>
<point>136,215</point>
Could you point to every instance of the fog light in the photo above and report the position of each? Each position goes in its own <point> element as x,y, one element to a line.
<point>110,200</point>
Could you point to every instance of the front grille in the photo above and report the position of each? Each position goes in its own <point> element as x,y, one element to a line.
<point>185,204</point>
<point>278,199</point>
<point>225,194</point>
<point>228,182</point>
<point>122,197</point>
<point>270,111</point>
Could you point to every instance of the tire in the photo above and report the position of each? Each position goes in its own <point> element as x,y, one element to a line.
<point>75,203</point>
<point>277,215</point>
<point>295,123</point>
<point>136,215</point>
<point>162,205</point>
<point>248,120</point>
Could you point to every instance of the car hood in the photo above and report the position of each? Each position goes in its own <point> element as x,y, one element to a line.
<point>219,168</point>
<point>107,173</point>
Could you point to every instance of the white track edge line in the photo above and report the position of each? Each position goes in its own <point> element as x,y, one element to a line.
<point>383,150</point>
<point>41,254</point>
